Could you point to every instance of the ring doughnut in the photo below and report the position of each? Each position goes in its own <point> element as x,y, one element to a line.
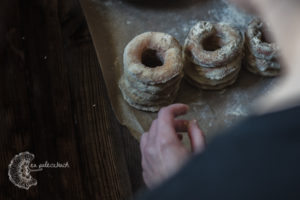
<point>167,48</point>
<point>224,77</point>
<point>218,85</point>
<point>261,54</point>
<point>153,70</point>
<point>257,46</point>
<point>262,66</point>
<point>230,41</point>
<point>212,55</point>
<point>160,89</point>
<point>144,98</point>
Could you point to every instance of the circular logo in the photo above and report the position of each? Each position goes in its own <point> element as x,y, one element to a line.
<point>19,170</point>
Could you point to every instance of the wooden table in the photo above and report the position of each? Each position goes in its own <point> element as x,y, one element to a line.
<point>54,104</point>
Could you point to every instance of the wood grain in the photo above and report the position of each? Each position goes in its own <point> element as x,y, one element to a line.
<point>54,104</point>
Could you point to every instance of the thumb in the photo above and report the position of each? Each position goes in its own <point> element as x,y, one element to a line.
<point>196,137</point>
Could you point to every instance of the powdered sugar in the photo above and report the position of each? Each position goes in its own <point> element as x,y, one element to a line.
<point>230,14</point>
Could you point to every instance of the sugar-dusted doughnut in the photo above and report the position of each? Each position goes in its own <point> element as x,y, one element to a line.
<point>165,47</point>
<point>153,70</point>
<point>213,78</point>
<point>262,66</point>
<point>261,55</point>
<point>160,89</point>
<point>212,55</point>
<point>256,42</point>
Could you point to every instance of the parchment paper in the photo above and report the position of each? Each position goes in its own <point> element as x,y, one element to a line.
<point>113,23</point>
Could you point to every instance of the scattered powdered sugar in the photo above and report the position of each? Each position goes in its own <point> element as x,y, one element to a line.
<point>182,29</point>
<point>108,3</point>
<point>236,106</point>
<point>212,109</point>
<point>185,27</point>
<point>174,32</point>
<point>230,14</point>
<point>237,110</point>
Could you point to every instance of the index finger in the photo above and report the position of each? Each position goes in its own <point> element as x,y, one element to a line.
<point>166,118</point>
<point>167,114</point>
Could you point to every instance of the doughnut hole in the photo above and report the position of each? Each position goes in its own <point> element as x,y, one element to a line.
<point>266,36</point>
<point>151,58</point>
<point>275,59</point>
<point>213,42</point>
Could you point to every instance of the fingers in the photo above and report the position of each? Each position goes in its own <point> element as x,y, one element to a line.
<point>167,114</point>
<point>153,127</point>
<point>165,119</point>
<point>181,125</point>
<point>196,137</point>
<point>162,151</point>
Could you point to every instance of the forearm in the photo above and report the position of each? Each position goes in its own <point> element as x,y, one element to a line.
<point>283,17</point>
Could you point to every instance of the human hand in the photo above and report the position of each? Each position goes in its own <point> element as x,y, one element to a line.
<point>162,150</point>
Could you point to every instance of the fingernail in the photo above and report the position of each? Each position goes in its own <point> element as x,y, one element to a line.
<point>194,121</point>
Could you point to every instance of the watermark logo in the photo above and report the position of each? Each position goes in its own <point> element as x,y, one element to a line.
<point>20,168</point>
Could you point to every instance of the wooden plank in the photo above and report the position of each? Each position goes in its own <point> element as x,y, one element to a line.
<point>54,104</point>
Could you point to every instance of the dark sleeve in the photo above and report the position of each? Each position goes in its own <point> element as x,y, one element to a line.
<point>257,159</point>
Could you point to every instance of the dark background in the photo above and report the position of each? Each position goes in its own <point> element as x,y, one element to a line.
<point>54,104</point>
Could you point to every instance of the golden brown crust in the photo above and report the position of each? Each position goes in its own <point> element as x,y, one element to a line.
<point>166,46</point>
<point>218,67</point>
<point>212,84</point>
<point>231,39</point>
<point>147,108</point>
<point>220,86</point>
<point>159,89</point>
<point>141,103</point>
<point>149,88</point>
<point>145,98</point>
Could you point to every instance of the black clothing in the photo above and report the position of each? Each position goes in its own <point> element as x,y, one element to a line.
<point>258,159</point>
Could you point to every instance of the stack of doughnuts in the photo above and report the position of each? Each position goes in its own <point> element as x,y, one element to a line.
<point>212,58</point>
<point>261,55</point>
<point>153,70</point>
<point>212,55</point>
